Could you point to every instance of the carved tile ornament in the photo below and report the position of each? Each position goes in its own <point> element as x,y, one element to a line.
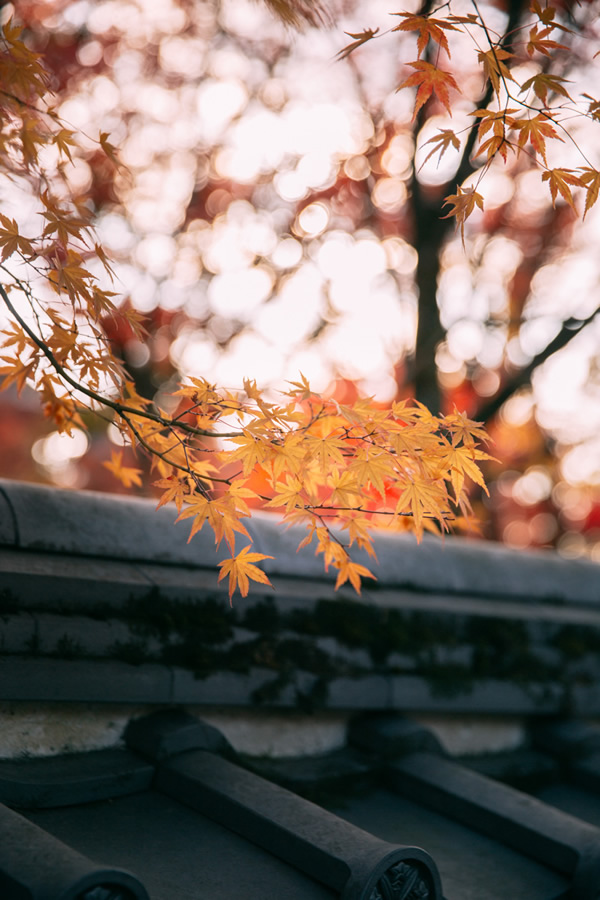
<point>403,881</point>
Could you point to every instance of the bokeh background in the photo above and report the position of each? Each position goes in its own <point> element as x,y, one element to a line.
<point>275,217</point>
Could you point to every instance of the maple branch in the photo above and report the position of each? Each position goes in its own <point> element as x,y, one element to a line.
<point>117,407</point>
<point>430,233</point>
<point>570,329</point>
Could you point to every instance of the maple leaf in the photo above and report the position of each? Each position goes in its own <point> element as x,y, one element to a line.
<point>422,499</point>
<point>372,468</point>
<point>109,149</point>
<point>10,239</point>
<point>538,40</point>
<point>463,202</point>
<point>359,39</point>
<point>460,462</point>
<point>546,15</point>
<point>493,66</point>
<point>352,572</point>
<point>302,389</point>
<point>428,80</point>
<point>428,28</point>
<point>326,448</point>
<point>241,571</point>
<point>64,141</point>
<point>444,139</point>
<point>590,179</point>
<point>463,429</point>
<point>535,130</point>
<point>288,494</point>
<point>176,490</point>
<point>127,475</point>
<point>559,181</point>
<point>542,83</point>
<point>344,488</point>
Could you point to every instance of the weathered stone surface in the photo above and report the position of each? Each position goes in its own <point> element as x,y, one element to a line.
<point>168,732</point>
<point>341,770</point>
<point>93,524</point>
<point>49,868</point>
<point>332,851</point>
<point>72,778</point>
<point>569,739</point>
<point>75,680</point>
<point>8,532</point>
<point>389,735</point>
<point>86,523</point>
<point>17,633</point>
<point>521,821</point>
<point>66,583</point>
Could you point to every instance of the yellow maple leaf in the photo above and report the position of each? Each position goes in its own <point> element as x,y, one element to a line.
<point>423,500</point>
<point>352,572</point>
<point>288,494</point>
<point>176,489</point>
<point>127,475</point>
<point>373,468</point>
<point>241,571</point>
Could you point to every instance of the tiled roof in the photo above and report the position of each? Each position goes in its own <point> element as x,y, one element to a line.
<point>176,815</point>
<point>103,601</point>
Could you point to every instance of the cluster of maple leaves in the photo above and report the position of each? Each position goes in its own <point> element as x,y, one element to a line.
<point>337,469</point>
<point>524,116</point>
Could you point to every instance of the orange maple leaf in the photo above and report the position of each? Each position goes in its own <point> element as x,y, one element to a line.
<point>428,80</point>
<point>241,571</point>
<point>428,27</point>
<point>536,130</point>
<point>463,203</point>
<point>359,39</point>
<point>559,181</point>
<point>443,139</point>
<point>493,66</point>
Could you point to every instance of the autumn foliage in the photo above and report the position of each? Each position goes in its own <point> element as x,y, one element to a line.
<point>336,469</point>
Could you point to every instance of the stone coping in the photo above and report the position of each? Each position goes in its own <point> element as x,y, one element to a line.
<point>39,518</point>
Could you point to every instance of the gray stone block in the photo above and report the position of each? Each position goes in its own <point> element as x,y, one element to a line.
<point>366,692</point>
<point>342,770</point>
<point>412,693</point>
<point>35,865</point>
<point>506,814</point>
<point>92,524</point>
<point>221,688</point>
<point>354,863</point>
<point>45,581</point>
<point>75,680</point>
<point>77,637</point>
<point>389,735</point>
<point>569,739</point>
<point>72,778</point>
<point>17,633</point>
<point>8,531</point>
<point>171,731</point>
